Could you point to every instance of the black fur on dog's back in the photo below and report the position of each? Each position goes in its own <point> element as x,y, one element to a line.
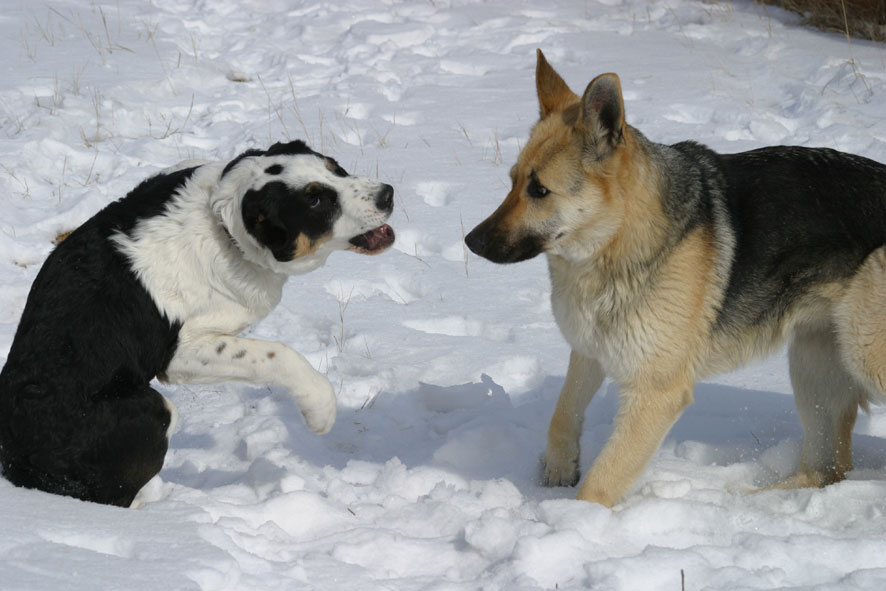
<point>791,236</point>
<point>70,364</point>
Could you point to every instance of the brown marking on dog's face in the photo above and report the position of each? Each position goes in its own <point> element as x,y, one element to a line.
<point>305,246</point>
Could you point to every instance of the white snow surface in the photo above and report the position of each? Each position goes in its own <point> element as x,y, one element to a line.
<point>447,366</point>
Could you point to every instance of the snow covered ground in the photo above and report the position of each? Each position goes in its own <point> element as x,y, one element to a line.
<point>447,366</point>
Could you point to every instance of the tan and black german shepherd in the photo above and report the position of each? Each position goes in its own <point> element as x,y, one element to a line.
<point>672,263</point>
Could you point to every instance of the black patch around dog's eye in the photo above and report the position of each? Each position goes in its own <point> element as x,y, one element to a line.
<point>274,169</point>
<point>277,213</point>
<point>318,194</point>
<point>535,189</point>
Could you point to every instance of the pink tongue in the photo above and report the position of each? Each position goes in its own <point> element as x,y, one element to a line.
<point>379,236</point>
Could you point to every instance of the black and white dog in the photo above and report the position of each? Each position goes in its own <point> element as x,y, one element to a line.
<point>159,283</point>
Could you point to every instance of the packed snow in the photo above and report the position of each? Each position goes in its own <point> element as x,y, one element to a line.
<point>447,367</point>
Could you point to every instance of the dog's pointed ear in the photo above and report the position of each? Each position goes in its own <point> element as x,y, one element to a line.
<point>602,118</point>
<point>553,93</point>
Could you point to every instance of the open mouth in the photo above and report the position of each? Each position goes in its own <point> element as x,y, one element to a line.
<point>374,241</point>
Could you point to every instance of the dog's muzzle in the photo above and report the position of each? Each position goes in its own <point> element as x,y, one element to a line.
<point>486,242</point>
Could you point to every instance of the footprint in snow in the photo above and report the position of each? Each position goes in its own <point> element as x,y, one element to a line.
<point>461,326</point>
<point>434,193</point>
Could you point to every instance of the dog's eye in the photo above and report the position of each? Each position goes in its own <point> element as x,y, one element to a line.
<point>316,194</point>
<point>535,189</point>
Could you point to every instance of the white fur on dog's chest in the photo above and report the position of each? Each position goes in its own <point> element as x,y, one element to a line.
<point>590,315</point>
<point>576,316</point>
<point>209,283</point>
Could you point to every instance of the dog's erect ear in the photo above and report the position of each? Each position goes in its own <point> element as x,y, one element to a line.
<point>602,119</point>
<point>261,210</point>
<point>553,94</point>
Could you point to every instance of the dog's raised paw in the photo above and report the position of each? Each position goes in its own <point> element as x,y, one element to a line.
<point>320,421</point>
<point>319,413</point>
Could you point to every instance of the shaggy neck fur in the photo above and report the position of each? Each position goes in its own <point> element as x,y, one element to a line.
<point>190,234</point>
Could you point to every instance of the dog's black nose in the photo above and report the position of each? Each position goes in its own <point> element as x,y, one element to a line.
<point>476,241</point>
<point>385,198</point>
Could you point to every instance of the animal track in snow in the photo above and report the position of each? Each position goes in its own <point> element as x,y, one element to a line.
<point>516,374</point>
<point>416,243</point>
<point>462,68</point>
<point>461,326</point>
<point>690,114</point>
<point>112,545</point>
<point>402,289</point>
<point>434,193</point>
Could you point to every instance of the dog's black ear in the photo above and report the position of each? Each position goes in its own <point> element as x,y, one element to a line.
<point>237,160</point>
<point>602,119</point>
<point>292,148</point>
<point>553,93</point>
<point>261,211</point>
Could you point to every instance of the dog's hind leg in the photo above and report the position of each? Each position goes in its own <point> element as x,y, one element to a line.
<point>827,398</point>
<point>133,422</point>
<point>834,369</point>
<point>583,379</point>
<point>861,324</point>
<point>110,446</point>
<point>148,491</point>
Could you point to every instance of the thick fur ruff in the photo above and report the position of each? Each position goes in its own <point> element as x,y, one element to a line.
<point>672,263</point>
<point>160,283</point>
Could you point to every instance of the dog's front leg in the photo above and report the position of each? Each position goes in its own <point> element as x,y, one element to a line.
<point>583,379</point>
<point>214,359</point>
<point>644,418</point>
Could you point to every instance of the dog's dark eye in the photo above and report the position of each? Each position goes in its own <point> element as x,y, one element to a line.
<point>535,189</point>
<point>318,194</point>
